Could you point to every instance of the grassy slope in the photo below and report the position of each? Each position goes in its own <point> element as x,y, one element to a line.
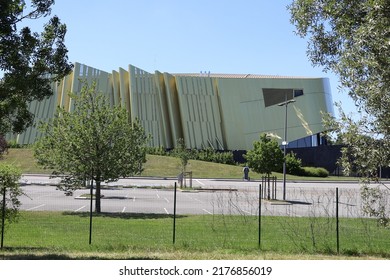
<point>158,166</point>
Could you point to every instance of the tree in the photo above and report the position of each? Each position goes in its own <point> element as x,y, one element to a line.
<point>29,61</point>
<point>3,146</point>
<point>351,38</point>
<point>93,142</point>
<point>10,191</point>
<point>266,156</point>
<point>181,152</point>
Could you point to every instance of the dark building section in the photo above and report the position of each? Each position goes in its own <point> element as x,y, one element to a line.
<point>320,156</point>
<point>326,157</point>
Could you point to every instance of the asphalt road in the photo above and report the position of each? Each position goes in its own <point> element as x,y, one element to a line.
<point>213,196</point>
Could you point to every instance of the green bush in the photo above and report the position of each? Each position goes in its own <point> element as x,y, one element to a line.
<point>315,172</point>
<point>208,154</point>
<point>293,164</point>
<point>3,145</point>
<point>294,167</point>
<point>157,151</point>
<point>212,155</point>
<point>14,145</point>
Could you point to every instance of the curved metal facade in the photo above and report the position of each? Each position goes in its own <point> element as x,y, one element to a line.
<point>226,112</point>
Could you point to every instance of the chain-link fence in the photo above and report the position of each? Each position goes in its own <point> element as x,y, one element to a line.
<point>314,220</point>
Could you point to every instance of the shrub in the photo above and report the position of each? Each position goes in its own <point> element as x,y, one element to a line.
<point>315,172</point>
<point>158,151</point>
<point>293,164</point>
<point>3,145</point>
<point>13,144</point>
<point>212,155</point>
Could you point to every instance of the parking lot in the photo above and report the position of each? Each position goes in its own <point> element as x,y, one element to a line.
<point>150,195</point>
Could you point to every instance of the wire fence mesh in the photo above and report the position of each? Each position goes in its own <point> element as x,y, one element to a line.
<point>315,220</point>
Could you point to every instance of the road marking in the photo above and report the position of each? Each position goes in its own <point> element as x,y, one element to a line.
<point>198,200</point>
<point>166,211</point>
<point>248,212</point>
<point>79,208</point>
<point>166,199</point>
<point>124,208</point>
<point>199,182</point>
<point>157,195</point>
<point>35,207</point>
<point>208,212</point>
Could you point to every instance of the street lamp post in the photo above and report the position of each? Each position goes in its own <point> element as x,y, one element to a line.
<point>285,143</point>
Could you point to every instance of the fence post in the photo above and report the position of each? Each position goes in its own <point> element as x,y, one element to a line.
<point>260,197</point>
<point>3,217</point>
<point>174,215</point>
<point>269,188</point>
<point>337,222</point>
<point>90,213</point>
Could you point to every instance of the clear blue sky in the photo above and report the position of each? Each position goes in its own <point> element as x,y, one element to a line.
<point>177,36</point>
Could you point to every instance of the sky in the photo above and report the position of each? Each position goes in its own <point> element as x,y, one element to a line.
<point>189,36</point>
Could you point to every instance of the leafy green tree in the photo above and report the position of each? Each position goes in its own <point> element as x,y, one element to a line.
<point>29,61</point>
<point>184,154</point>
<point>293,164</point>
<point>93,142</point>
<point>10,192</point>
<point>352,39</point>
<point>266,156</point>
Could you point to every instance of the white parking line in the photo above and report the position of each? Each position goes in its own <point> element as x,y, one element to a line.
<point>79,208</point>
<point>248,212</point>
<point>199,182</point>
<point>166,211</point>
<point>208,212</point>
<point>166,199</point>
<point>124,208</point>
<point>198,200</point>
<point>32,208</point>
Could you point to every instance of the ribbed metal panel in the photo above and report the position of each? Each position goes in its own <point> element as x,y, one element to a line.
<point>223,111</point>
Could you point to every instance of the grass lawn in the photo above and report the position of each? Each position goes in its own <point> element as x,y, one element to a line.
<point>57,235</point>
<point>65,235</point>
<point>160,166</point>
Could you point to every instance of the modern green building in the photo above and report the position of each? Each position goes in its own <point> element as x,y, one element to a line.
<point>222,111</point>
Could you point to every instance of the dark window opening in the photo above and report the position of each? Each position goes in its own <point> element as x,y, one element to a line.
<point>298,92</point>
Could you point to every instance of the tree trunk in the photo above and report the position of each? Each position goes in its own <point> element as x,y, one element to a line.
<point>97,197</point>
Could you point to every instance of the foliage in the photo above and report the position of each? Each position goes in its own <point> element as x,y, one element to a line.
<point>351,38</point>
<point>314,172</point>
<point>181,152</point>
<point>10,192</point>
<point>13,144</point>
<point>208,154</point>
<point>294,167</point>
<point>158,151</point>
<point>93,142</point>
<point>365,150</point>
<point>376,204</point>
<point>3,145</point>
<point>293,164</point>
<point>29,61</point>
<point>212,155</point>
<point>266,156</point>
